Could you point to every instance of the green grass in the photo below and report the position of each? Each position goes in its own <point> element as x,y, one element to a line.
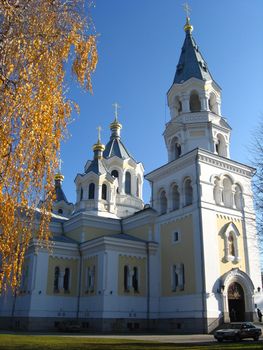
<point>27,342</point>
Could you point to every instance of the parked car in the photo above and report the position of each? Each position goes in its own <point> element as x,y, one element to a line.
<point>238,331</point>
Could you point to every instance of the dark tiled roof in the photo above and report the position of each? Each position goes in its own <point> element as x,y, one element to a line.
<point>97,167</point>
<point>191,63</point>
<point>116,148</point>
<point>60,195</point>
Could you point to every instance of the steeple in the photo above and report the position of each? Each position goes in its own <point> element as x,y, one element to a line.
<point>60,195</point>
<point>191,63</point>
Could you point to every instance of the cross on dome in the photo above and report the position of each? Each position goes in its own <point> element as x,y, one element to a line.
<point>116,108</point>
<point>187,9</point>
<point>99,128</point>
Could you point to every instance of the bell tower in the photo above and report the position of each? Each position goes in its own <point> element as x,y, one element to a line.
<point>194,101</point>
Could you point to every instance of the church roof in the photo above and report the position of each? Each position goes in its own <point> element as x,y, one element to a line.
<point>97,167</point>
<point>60,195</point>
<point>191,63</point>
<point>116,148</point>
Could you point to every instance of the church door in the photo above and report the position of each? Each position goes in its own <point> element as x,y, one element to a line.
<point>236,302</point>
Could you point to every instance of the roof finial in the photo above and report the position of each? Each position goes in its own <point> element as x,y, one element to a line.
<point>99,128</point>
<point>187,27</point>
<point>116,108</point>
<point>59,175</point>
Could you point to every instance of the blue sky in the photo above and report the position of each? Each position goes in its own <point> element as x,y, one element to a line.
<point>139,47</point>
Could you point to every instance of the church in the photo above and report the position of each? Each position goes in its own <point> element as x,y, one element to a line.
<point>185,263</point>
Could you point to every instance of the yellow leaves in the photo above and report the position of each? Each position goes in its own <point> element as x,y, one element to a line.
<point>37,39</point>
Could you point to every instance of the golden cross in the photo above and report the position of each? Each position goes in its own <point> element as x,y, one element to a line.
<point>60,164</point>
<point>187,9</point>
<point>99,131</point>
<point>116,107</point>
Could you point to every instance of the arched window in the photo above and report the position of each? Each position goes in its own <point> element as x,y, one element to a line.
<point>220,146</point>
<point>230,235</point>
<point>175,198</point>
<point>178,279</point>
<point>231,247</point>
<point>176,148</point>
<point>66,280</point>
<point>163,202</point>
<point>195,104</point>
<point>115,173</point>
<point>104,192</point>
<point>227,193</point>
<point>238,197</point>
<point>126,278</point>
<point>91,190</point>
<point>213,105</point>
<point>81,194</point>
<point>188,192</point>
<point>56,279</point>
<point>135,280</point>
<point>217,192</point>
<point>177,106</point>
<point>128,183</point>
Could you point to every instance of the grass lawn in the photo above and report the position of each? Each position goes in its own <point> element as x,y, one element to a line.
<point>27,342</point>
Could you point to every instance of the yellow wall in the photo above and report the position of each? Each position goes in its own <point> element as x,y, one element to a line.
<point>175,253</point>
<point>72,264</point>
<point>132,261</point>
<point>89,263</point>
<point>225,266</point>
<point>141,232</point>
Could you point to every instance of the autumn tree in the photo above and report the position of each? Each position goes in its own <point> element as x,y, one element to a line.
<point>37,38</point>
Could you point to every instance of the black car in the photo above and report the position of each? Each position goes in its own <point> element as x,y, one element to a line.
<point>238,331</point>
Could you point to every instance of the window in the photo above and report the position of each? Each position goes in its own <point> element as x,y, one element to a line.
<point>175,148</point>
<point>60,211</point>
<point>220,146</point>
<point>91,190</point>
<point>178,280</point>
<point>135,281</point>
<point>66,280</point>
<point>230,235</point>
<point>238,197</point>
<point>126,278</point>
<point>188,192</point>
<point>163,202</point>
<point>175,198</point>
<point>115,173</point>
<point>175,237</point>
<point>104,192</point>
<point>81,194</point>
<point>128,183</point>
<point>90,284</point>
<point>195,105</point>
<point>227,192</point>
<point>56,279</point>
<point>217,192</point>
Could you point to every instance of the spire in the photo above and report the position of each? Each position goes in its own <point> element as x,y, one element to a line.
<point>115,126</point>
<point>98,147</point>
<point>60,195</point>
<point>191,63</point>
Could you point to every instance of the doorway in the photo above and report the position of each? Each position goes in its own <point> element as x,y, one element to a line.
<point>236,302</point>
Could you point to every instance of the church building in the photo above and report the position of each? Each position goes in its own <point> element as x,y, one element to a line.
<point>184,263</point>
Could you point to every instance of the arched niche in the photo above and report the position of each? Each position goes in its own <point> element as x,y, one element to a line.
<point>195,103</point>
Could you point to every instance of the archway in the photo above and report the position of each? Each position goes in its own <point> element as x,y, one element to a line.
<point>236,302</point>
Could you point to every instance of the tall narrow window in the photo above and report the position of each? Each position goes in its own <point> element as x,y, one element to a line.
<point>227,193</point>
<point>56,279</point>
<point>135,281</point>
<point>138,187</point>
<point>195,104</point>
<point>81,194</point>
<point>126,278</point>
<point>128,183</point>
<point>91,190</point>
<point>231,246</point>
<point>66,280</point>
<point>104,192</point>
<point>181,280</point>
<point>163,203</point>
<point>175,198</point>
<point>174,278</point>
<point>188,192</point>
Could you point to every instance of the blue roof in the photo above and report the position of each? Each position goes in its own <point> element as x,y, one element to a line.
<point>191,63</point>
<point>116,148</point>
<point>60,195</point>
<point>97,167</point>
